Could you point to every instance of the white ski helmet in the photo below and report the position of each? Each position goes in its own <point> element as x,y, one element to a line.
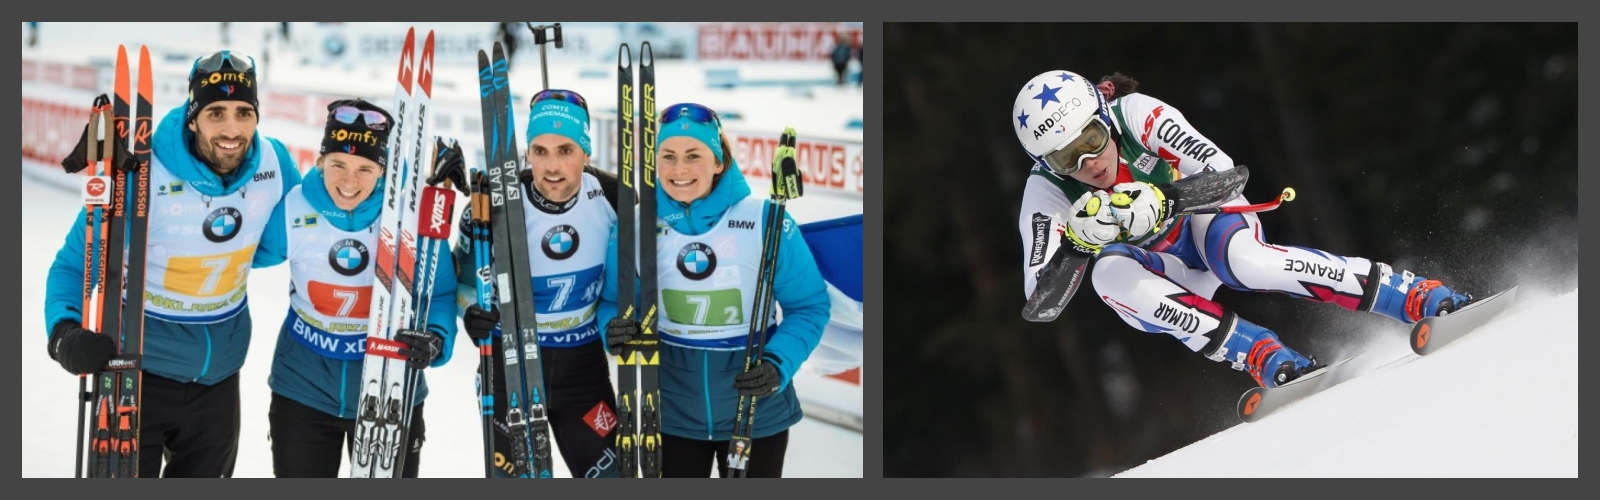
<point>1058,109</point>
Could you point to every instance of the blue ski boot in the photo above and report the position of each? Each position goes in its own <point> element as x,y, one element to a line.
<point>1408,297</point>
<point>1257,350</point>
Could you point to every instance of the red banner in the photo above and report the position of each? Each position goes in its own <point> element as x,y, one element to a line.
<point>823,164</point>
<point>59,74</point>
<point>773,41</point>
<point>50,130</point>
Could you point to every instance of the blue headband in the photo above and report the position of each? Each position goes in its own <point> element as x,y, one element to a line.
<point>561,118</point>
<point>707,134</point>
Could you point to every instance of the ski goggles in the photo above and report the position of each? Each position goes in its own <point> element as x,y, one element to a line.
<point>560,95</point>
<point>214,62</point>
<point>691,111</point>
<point>347,114</point>
<point>1091,141</point>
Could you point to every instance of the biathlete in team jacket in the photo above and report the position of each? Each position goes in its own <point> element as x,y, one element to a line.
<point>708,258</point>
<point>332,225</point>
<point>215,213</point>
<point>572,229</point>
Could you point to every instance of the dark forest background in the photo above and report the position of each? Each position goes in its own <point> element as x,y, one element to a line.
<point>1446,149</point>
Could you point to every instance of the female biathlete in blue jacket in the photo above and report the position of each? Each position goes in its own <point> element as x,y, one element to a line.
<point>708,258</point>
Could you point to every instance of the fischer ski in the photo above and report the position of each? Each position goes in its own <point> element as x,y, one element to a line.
<point>647,347</point>
<point>627,230</point>
<point>638,383</point>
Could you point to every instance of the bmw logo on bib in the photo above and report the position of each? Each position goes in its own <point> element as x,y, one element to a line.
<point>222,224</point>
<point>348,257</point>
<point>696,261</point>
<point>560,242</point>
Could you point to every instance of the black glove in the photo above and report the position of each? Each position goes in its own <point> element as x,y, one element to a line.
<point>78,159</point>
<point>424,347</point>
<point>480,323</point>
<point>78,350</point>
<point>620,331</point>
<point>763,380</point>
<point>447,164</point>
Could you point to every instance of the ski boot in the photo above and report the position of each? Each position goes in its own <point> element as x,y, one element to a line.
<point>1256,350</point>
<point>1408,297</point>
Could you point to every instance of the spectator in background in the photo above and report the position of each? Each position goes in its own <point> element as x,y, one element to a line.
<point>33,35</point>
<point>861,56</point>
<point>841,57</point>
<point>266,53</point>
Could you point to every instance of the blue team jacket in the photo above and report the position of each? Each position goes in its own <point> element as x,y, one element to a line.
<point>203,353</point>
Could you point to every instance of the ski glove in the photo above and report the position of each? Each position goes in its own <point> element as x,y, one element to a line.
<point>1092,223</point>
<point>620,331</point>
<point>447,164</point>
<point>480,323</point>
<point>78,350</point>
<point>78,159</point>
<point>1140,208</point>
<point>423,347</point>
<point>761,380</point>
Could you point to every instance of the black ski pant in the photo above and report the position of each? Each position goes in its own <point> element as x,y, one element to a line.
<point>683,457</point>
<point>581,409</point>
<point>192,427</point>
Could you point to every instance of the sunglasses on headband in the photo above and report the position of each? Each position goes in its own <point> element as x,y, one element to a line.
<point>691,111</point>
<point>346,112</point>
<point>561,95</point>
<point>214,62</point>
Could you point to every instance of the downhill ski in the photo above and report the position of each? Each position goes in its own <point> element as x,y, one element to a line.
<point>1435,332</point>
<point>1426,336</point>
